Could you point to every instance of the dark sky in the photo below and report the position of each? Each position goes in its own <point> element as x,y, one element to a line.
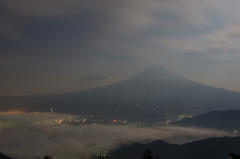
<point>55,46</point>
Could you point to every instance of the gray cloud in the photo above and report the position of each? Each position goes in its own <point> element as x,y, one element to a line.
<point>59,37</point>
<point>32,135</point>
<point>117,17</point>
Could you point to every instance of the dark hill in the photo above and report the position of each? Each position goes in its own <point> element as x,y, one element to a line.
<point>226,120</point>
<point>2,156</point>
<point>208,149</point>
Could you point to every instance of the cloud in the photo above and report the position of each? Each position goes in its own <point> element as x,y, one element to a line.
<point>61,36</point>
<point>41,8</point>
<point>32,135</point>
<point>116,17</point>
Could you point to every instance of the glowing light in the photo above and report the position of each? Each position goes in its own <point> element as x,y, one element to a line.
<point>60,122</point>
<point>11,112</point>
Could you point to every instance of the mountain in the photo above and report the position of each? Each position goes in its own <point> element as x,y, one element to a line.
<point>226,120</point>
<point>208,149</point>
<point>2,156</point>
<point>149,95</point>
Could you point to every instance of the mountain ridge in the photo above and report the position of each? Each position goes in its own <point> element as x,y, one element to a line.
<point>225,120</point>
<point>3,156</point>
<point>206,148</point>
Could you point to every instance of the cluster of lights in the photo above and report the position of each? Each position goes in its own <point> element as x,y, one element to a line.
<point>92,120</point>
<point>235,133</point>
<point>172,119</point>
<point>103,155</point>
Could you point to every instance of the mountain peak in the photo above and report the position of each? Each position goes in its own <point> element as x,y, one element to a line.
<point>157,67</point>
<point>158,72</point>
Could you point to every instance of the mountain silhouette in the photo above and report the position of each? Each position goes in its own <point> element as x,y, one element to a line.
<point>225,120</point>
<point>149,94</point>
<point>2,156</point>
<point>208,149</point>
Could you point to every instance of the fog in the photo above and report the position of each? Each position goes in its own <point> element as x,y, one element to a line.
<point>33,135</point>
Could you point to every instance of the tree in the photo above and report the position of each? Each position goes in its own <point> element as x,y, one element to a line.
<point>103,155</point>
<point>148,154</point>
<point>234,156</point>
<point>47,157</point>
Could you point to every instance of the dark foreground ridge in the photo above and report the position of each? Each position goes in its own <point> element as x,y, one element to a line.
<point>218,148</point>
<point>225,120</point>
<point>2,156</point>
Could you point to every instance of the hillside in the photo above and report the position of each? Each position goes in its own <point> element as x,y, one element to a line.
<point>226,120</point>
<point>2,156</point>
<point>208,149</point>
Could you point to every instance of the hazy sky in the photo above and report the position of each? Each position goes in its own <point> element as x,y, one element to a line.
<point>51,46</point>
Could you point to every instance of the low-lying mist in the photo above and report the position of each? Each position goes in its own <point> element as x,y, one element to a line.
<point>28,136</point>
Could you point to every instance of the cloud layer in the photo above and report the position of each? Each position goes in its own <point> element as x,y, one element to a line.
<point>30,136</point>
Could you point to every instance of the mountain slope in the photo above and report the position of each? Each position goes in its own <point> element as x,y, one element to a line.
<point>226,120</point>
<point>2,156</point>
<point>207,149</point>
<point>152,91</point>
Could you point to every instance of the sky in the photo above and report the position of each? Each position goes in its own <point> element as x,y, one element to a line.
<point>62,46</point>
